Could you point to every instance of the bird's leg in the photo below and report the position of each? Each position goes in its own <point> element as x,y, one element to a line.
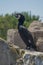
<point>30,48</point>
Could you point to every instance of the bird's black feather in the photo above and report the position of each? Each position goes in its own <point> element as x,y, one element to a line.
<point>24,33</point>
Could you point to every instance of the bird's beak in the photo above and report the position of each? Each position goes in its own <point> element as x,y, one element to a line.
<point>17,16</point>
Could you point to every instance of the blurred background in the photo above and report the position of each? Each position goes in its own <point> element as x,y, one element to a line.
<point>31,9</point>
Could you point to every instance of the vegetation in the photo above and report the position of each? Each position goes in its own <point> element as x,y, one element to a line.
<point>9,21</point>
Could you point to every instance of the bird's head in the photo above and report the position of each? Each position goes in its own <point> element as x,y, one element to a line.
<point>20,18</point>
<point>17,15</point>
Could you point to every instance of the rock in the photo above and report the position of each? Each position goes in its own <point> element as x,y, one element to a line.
<point>4,53</point>
<point>10,35</point>
<point>13,55</point>
<point>14,37</point>
<point>8,53</point>
<point>29,57</point>
<point>36,28</point>
<point>40,44</point>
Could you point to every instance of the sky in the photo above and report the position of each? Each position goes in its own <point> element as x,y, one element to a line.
<point>11,6</point>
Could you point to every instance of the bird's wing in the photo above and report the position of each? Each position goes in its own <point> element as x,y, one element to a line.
<point>24,32</point>
<point>27,37</point>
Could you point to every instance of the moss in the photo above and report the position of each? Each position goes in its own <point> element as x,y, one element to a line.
<point>22,53</point>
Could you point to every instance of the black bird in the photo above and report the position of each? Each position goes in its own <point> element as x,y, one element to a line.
<point>24,33</point>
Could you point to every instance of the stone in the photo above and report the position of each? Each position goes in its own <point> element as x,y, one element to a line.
<point>24,57</point>
<point>29,57</point>
<point>11,54</point>
<point>40,44</point>
<point>14,37</point>
<point>4,53</point>
<point>36,29</point>
<point>8,53</point>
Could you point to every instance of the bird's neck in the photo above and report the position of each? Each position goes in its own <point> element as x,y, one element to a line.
<point>20,24</point>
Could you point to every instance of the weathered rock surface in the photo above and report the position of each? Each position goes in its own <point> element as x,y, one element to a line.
<point>13,55</point>
<point>4,53</point>
<point>25,57</point>
<point>33,59</point>
<point>28,57</point>
<point>8,54</point>
<point>36,28</point>
<point>14,37</point>
<point>40,44</point>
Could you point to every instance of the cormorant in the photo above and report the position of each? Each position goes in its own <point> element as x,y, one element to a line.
<point>24,33</point>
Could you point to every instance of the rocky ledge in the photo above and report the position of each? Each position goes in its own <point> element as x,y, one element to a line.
<point>13,55</point>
